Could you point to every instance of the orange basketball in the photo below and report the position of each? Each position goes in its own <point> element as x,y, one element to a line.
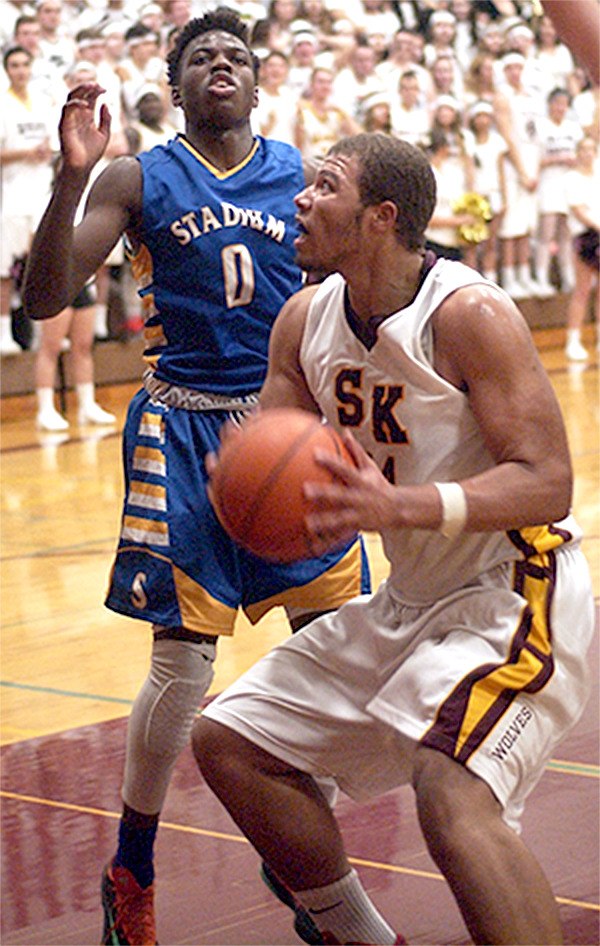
<point>257,485</point>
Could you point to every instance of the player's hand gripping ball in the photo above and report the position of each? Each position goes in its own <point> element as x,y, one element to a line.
<point>257,484</point>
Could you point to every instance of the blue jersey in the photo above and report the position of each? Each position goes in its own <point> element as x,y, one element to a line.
<point>217,262</point>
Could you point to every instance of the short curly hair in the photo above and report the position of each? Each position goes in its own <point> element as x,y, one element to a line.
<point>392,169</point>
<point>224,19</point>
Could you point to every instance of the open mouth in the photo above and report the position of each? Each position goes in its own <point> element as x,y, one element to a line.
<point>222,85</point>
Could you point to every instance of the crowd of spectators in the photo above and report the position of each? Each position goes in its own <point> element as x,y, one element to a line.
<point>488,88</point>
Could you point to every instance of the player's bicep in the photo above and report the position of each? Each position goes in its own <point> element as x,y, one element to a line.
<point>495,360</point>
<point>112,207</point>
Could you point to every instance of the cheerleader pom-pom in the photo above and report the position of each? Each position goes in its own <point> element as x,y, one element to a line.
<point>477,206</point>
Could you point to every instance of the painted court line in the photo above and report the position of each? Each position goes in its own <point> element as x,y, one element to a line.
<point>223,836</point>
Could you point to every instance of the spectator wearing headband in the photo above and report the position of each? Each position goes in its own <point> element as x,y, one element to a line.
<point>485,146</point>
<point>377,113</point>
<point>305,47</point>
<point>152,126</point>
<point>142,63</point>
<point>520,39</point>
<point>91,46</point>
<point>441,33</point>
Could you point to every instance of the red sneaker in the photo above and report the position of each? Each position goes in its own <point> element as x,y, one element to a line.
<point>128,909</point>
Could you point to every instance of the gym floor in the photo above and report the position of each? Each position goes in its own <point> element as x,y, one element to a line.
<point>71,669</point>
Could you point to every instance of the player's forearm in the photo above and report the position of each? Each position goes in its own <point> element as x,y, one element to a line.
<point>48,285</point>
<point>513,495</point>
<point>508,496</point>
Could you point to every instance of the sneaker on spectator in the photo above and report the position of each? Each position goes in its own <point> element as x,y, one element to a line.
<point>575,351</point>
<point>543,289</point>
<point>94,414</point>
<point>514,289</point>
<point>50,419</point>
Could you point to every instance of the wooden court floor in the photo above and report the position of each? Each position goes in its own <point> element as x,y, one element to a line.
<point>70,669</point>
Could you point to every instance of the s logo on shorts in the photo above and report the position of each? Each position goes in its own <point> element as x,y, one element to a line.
<point>138,595</point>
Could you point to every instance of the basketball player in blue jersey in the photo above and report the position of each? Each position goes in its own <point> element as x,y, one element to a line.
<point>209,221</point>
<point>467,667</point>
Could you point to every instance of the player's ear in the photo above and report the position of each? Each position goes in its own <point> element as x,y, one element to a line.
<point>176,97</point>
<point>255,97</point>
<point>384,214</point>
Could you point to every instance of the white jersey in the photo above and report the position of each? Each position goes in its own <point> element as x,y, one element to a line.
<point>26,185</point>
<point>417,426</point>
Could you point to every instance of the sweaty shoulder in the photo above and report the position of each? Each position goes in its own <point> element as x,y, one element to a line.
<point>466,306</point>
<point>474,327</point>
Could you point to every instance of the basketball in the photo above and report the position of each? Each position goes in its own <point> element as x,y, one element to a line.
<point>257,485</point>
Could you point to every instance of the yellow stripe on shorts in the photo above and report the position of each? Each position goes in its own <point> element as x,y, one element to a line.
<point>473,709</point>
<point>145,531</point>
<point>152,425</point>
<point>147,495</point>
<point>149,460</point>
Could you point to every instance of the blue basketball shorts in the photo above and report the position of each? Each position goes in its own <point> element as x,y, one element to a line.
<point>175,566</point>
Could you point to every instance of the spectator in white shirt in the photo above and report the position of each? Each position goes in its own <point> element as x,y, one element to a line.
<point>552,55</point>
<point>410,119</point>
<point>27,123</point>
<point>56,43</point>
<point>558,136</point>
<point>275,113</point>
<point>354,82</point>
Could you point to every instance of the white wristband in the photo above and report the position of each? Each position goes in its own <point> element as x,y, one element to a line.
<point>454,509</point>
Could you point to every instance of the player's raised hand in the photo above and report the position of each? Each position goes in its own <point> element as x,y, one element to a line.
<point>82,140</point>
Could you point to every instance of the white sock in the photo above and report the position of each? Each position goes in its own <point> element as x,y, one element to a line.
<point>344,910</point>
<point>542,265</point>
<point>85,394</point>
<point>45,399</point>
<point>508,274</point>
<point>523,275</point>
<point>101,324</point>
<point>573,336</point>
<point>48,418</point>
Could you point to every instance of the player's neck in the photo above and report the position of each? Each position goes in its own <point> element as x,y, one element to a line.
<point>376,298</point>
<point>222,147</point>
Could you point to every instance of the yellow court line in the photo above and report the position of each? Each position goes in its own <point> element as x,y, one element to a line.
<point>224,836</point>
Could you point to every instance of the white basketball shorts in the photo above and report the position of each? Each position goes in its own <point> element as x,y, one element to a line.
<point>485,675</point>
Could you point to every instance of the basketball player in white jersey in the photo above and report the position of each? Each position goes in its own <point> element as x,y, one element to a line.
<point>462,673</point>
